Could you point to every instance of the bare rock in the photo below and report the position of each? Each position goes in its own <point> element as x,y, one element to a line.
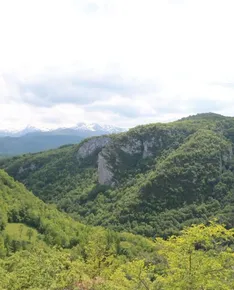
<point>105,174</point>
<point>91,146</point>
<point>132,146</point>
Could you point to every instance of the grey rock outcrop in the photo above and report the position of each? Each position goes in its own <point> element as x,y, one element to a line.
<point>113,154</point>
<point>132,146</point>
<point>105,174</point>
<point>91,146</point>
<point>148,147</point>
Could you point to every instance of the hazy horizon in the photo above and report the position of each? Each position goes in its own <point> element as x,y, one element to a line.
<point>115,62</point>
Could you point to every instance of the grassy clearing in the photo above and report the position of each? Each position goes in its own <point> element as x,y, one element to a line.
<point>21,232</point>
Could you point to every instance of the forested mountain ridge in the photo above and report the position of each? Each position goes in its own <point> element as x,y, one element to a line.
<point>36,239</point>
<point>152,180</point>
<point>42,248</point>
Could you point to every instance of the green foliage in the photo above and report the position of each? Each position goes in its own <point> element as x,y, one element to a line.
<point>21,232</point>
<point>201,258</point>
<point>187,178</point>
<point>41,248</point>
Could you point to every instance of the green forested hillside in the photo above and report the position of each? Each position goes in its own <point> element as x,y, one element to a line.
<point>41,248</point>
<point>152,180</point>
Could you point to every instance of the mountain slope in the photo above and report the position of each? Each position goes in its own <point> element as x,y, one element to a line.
<point>152,180</point>
<point>29,230</point>
<point>41,248</point>
<point>18,205</point>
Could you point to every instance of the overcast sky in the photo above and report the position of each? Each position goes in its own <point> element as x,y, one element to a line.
<point>119,62</point>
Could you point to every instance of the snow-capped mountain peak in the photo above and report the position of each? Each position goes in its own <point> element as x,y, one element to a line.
<point>19,133</point>
<point>27,130</point>
<point>84,127</point>
<point>97,127</point>
<point>81,129</point>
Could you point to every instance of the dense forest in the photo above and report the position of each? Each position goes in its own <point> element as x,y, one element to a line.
<point>153,180</point>
<point>42,248</point>
<point>151,208</point>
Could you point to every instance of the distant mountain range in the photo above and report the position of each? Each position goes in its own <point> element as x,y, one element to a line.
<point>31,139</point>
<point>81,129</point>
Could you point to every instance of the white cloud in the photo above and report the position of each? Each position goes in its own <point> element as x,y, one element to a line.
<point>166,59</point>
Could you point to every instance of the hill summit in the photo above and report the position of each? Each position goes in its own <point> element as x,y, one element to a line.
<point>152,180</point>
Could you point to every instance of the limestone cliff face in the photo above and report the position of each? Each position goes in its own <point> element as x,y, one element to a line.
<point>92,146</point>
<point>132,146</point>
<point>149,146</point>
<point>137,146</point>
<point>124,154</point>
<point>105,174</point>
<point>116,156</point>
<point>96,146</point>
